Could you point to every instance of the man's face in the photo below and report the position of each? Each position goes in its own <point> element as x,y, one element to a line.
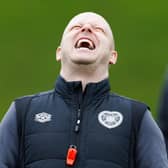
<point>87,39</point>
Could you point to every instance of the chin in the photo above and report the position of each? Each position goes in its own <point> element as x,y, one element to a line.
<point>84,58</point>
<point>83,61</point>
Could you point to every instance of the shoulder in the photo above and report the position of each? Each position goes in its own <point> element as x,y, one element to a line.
<point>22,104</point>
<point>35,96</point>
<point>129,100</point>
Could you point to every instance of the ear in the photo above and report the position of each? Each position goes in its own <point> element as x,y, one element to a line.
<point>113,57</point>
<point>58,54</point>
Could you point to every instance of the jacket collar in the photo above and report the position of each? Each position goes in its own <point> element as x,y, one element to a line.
<point>69,90</point>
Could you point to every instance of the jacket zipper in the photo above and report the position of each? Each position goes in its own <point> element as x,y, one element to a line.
<point>74,146</point>
<point>73,150</point>
<point>76,130</point>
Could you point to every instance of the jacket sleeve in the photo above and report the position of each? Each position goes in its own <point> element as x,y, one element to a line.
<point>151,149</point>
<point>163,109</point>
<point>9,139</point>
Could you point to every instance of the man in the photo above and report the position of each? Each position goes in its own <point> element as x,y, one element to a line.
<point>79,123</point>
<point>163,110</point>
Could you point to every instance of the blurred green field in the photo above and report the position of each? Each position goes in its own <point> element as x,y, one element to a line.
<point>30,32</point>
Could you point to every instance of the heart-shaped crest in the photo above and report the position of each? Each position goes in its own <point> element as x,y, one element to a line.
<point>110,119</point>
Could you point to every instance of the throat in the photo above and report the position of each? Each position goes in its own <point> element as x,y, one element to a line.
<point>85,75</point>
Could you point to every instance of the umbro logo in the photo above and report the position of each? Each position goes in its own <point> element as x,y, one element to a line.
<point>110,119</point>
<point>43,117</point>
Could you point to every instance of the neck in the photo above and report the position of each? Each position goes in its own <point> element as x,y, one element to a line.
<point>84,73</point>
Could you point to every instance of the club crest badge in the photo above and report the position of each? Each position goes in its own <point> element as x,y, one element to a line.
<point>110,119</point>
<point>43,117</point>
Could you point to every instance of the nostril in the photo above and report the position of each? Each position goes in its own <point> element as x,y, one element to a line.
<point>89,30</point>
<point>86,29</point>
<point>83,30</point>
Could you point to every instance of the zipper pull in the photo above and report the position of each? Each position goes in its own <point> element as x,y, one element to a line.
<point>71,155</point>
<point>77,126</point>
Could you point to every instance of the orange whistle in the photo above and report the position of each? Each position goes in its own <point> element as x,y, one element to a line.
<point>71,155</point>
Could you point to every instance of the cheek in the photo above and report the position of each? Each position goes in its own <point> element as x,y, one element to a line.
<point>67,39</point>
<point>104,42</point>
<point>104,47</point>
<point>67,45</point>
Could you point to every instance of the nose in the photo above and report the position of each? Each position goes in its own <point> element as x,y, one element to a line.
<point>86,28</point>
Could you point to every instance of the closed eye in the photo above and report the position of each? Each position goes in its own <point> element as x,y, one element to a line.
<point>76,27</point>
<point>99,29</point>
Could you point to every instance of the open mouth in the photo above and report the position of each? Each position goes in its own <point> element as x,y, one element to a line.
<point>85,43</point>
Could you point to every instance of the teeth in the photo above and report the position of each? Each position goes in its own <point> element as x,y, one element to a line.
<point>85,43</point>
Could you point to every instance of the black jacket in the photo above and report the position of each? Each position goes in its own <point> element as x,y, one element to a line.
<point>104,128</point>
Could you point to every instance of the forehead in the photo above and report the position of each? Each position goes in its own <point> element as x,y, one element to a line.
<point>88,18</point>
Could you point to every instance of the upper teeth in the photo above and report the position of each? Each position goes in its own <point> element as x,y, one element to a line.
<point>90,43</point>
